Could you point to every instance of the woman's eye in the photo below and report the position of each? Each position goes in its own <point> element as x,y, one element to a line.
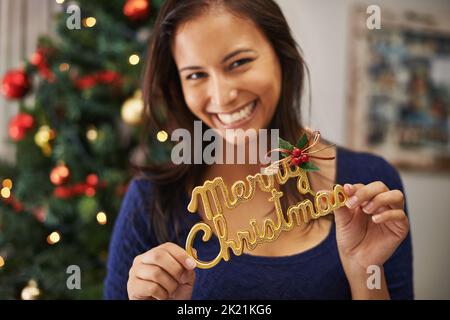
<point>237,63</point>
<point>195,76</point>
<point>240,62</point>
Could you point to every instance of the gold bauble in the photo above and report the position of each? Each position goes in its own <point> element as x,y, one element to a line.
<point>133,109</point>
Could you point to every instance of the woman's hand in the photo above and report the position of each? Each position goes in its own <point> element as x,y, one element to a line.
<point>371,227</point>
<point>164,272</point>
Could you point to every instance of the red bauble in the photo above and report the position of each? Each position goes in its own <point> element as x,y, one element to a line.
<point>86,82</point>
<point>46,73</point>
<point>19,126</point>
<point>15,84</point>
<point>91,80</point>
<point>136,9</point>
<point>62,192</point>
<point>92,180</point>
<point>108,77</point>
<point>59,175</point>
<point>79,188</point>
<point>90,192</point>
<point>38,58</point>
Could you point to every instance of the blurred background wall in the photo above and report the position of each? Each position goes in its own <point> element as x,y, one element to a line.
<point>321,27</point>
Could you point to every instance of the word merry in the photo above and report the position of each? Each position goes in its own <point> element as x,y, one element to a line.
<point>303,212</point>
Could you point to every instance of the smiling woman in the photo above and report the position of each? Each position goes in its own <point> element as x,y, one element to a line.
<point>234,64</point>
<point>208,61</point>
<point>229,82</point>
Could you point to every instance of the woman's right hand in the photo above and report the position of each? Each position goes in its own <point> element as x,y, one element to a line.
<point>164,272</point>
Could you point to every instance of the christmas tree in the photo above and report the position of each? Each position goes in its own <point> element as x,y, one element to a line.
<point>74,141</point>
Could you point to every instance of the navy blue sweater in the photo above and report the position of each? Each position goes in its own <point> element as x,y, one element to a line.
<point>313,274</point>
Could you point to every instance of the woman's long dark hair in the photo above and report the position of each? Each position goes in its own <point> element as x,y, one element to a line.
<point>167,110</point>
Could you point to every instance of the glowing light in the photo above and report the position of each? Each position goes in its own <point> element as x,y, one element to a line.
<point>162,136</point>
<point>59,174</point>
<point>53,237</point>
<point>5,192</point>
<point>134,59</point>
<point>90,22</point>
<point>7,183</point>
<point>101,218</point>
<point>64,67</point>
<point>47,149</point>
<point>132,110</point>
<point>92,134</point>
<point>2,261</point>
<point>59,1</point>
<point>44,135</point>
<point>31,291</point>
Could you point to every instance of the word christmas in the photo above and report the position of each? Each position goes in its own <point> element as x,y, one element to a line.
<point>324,203</point>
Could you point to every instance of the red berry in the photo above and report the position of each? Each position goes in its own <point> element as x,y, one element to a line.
<point>296,152</point>
<point>295,161</point>
<point>304,158</point>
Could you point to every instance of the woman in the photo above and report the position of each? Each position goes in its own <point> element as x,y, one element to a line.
<point>234,64</point>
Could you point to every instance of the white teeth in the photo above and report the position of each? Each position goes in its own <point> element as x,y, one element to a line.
<point>229,118</point>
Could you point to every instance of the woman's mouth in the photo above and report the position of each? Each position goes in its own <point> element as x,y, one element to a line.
<point>237,118</point>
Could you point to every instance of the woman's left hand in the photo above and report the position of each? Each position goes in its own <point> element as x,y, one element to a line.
<point>371,226</point>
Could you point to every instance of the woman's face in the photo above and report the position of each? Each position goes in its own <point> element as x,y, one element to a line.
<point>230,74</point>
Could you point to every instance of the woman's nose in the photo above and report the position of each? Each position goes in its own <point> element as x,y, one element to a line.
<point>222,92</point>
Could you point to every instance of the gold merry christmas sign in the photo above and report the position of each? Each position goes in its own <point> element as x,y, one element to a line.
<point>325,202</point>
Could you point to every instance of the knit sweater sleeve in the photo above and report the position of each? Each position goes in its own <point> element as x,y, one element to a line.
<point>131,237</point>
<point>366,168</point>
<point>399,268</point>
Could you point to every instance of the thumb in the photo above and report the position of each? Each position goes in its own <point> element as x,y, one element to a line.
<point>343,215</point>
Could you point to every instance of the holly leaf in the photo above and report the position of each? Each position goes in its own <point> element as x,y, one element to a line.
<point>309,166</point>
<point>283,144</point>
<point>284,155</point>
<point>301,143</point>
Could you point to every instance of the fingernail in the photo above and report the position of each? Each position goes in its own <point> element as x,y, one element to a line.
<point>368,208</point>
<point>348,186</point>
<point>375,218</point>
<point>190,263</point>
<point>351,202</point>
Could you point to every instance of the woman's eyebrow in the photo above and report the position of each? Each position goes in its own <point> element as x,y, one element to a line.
<point>235,53</point>
<point>227,57</point>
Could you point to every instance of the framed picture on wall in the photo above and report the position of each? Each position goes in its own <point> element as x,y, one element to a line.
<point>399,90</point>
